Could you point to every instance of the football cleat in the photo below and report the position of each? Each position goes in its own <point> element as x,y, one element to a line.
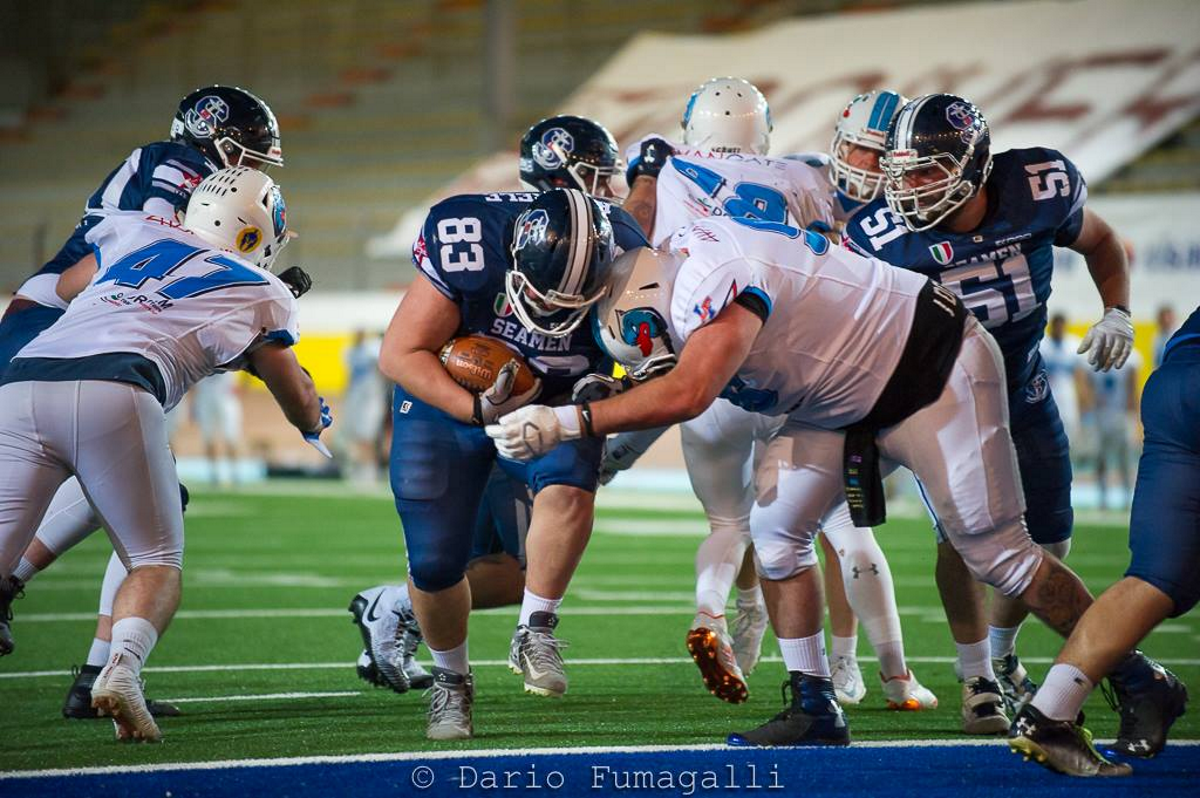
<point>117,693</point>
<point>848,684</point>
<point>983,707</point>
<point>811,716</point>
<point>749,626</point>
<point>78,704</point>
<point>712,650</point>
<point>391,635</point>
<point>1014,681</point>
<point>1148,701</point>
<point>536,654</point>
<point>10,588</point>
<point>1060,745</point>
<point>906,694</point>
<point>451,698</point>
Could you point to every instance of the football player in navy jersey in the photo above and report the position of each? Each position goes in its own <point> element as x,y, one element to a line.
<point>214,127</point>
<point>525,269</point>
<point>557,152</point>
<point>1161,583</point>
<point>985,227</point>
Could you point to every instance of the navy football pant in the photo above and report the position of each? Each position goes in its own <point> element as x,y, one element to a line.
<point>1164,529</point>
<point>1044,457</point>
<point>439,468</point>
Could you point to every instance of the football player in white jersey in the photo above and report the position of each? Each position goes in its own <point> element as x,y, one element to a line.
<point>869,364</point>
<point>722,169</point>
<point>172,305</point>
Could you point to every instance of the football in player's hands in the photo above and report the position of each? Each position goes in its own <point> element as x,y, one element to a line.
<point>474,362</point>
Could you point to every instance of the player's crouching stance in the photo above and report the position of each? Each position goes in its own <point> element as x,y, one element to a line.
<point>867,361</point>
<point>1164,536</point>
<point>525,271</point>
<point>172,305</point>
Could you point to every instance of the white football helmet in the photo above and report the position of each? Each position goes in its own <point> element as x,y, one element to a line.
<point>728,115</point>
<point>240,209</point>
<point>864,123</point>
<point>631,322</point>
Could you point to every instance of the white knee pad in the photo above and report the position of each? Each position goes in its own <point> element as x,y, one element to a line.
<point>1060,549</point>
<point>114,576</point>
<point>1005,558</point>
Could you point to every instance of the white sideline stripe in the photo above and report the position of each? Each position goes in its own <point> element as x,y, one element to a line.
<point>467,753</point>
<point>487,663</point>
<point>259,697</point>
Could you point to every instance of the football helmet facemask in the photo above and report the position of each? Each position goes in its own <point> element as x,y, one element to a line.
<point>938,155</point>
<point>231,126</point>
<point>569,152</point>
<point>562,251</point>
<point>863,123</point>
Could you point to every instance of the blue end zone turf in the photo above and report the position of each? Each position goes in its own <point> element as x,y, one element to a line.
<point>900,770</point>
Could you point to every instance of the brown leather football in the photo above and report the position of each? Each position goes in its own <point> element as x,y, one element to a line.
<point>474,360</point>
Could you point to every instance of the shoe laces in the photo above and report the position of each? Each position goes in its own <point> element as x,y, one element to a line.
<point>408,636</point>
<point>543,649</point>
<point>445,699</point>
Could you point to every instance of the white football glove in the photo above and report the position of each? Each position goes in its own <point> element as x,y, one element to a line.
<point>499,399</point>
<point>1109,341</point>
<point>534,430</point>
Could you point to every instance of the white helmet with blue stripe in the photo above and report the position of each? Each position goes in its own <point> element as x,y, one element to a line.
<point>863,123</point>
<point>728,115</point>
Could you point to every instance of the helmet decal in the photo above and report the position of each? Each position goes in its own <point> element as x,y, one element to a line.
<point>639,327</point>
<point>555,144</point>
<point>961,118</point>
<point>533,227</point>
<point>249,239</point>
<point>209,112</point>
<point>279,212</point>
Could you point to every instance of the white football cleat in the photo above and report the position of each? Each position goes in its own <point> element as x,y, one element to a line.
<point>749,626</point>
<point>451,698</point>
<point>711,648</point>
<point>983,707</point>
<point>848,684</point>
<point>906,694</point>
<point>118,692</point>
<point>391,636</point>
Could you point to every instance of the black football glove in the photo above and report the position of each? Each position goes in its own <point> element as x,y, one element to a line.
<point>297,280</point>
<point>650,161</point>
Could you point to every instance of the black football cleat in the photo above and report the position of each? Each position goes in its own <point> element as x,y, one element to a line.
<point>1149,698</point>
<point>11,588</point>
<point>78,705</point>
<point>1060,745</point>
<point>811,716</point>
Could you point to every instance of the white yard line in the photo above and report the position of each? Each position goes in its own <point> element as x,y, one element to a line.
<point>423,756</point>
<point>491,663</point>
<point>259,697</point>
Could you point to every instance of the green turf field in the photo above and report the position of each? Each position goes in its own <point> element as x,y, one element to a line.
<point>268,579</point>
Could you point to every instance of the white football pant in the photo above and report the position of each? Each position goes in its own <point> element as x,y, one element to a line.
<point>960,448</point>
<point>112,436</point>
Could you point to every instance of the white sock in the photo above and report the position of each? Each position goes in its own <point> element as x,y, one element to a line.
<point>98,653</point>
<point>843,647</point>
<point>718,560</point>
<point>751,596</point>
<point>534,603</point>
<point>26,570</point>
<point>975,659</point>
<point>1062,694</point>
<point>132,641</point>
<point>454,659</point>
<point>891,658</point>
<point>403,602</point>
<point>1003,640</point>
<point>805,654</point>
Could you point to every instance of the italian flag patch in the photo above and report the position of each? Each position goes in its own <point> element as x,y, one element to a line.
<point>943,253</point>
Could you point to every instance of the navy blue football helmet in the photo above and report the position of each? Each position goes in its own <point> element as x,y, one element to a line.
<point>569,152</point>
<point>938,155</point>
<point>231,126</point>
<point>562,252</point>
